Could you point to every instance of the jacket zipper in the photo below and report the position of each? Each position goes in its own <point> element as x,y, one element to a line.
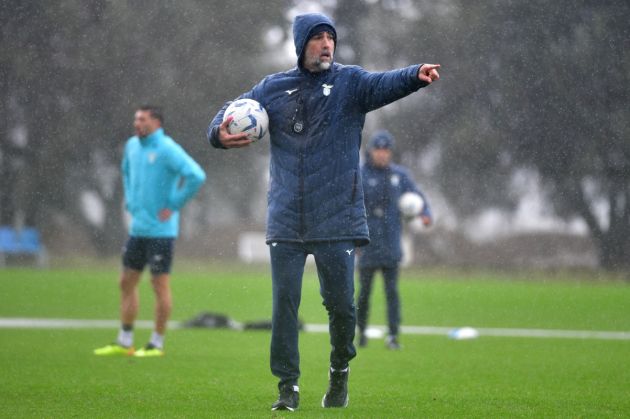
<point>300,114</point>
<point>301,194</point>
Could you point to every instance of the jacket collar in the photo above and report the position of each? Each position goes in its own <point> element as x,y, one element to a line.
<point>153,138</point>
<point>318,74</point>
<point>372,166</point>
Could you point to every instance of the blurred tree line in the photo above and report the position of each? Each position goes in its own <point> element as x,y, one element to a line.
<point>74,71</point>
<point>537,86</point>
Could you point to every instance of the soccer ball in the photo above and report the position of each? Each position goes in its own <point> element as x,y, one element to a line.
<point>463,333</point>
<point>247,116</point>
<point>410,204</point>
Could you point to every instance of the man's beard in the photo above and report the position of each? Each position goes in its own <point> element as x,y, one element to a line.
<point>319,64</point>
<point>322,65</point>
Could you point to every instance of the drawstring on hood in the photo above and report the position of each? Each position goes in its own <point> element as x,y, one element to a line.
<point>305,27</point>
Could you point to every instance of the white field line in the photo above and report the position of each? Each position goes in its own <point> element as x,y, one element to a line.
<point>498,332</point>
<point>34,323</point>
<point>31,323</point>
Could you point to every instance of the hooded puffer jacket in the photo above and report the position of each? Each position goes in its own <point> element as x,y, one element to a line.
<point>315,122</point>
<point>383,188</point>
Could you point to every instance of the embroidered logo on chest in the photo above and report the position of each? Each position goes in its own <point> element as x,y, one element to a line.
<point>152,157</point>
<point>395,180</point>
<point>327,88</point>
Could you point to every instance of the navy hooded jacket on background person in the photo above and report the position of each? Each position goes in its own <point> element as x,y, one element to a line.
<point>315,123</point>
<point>383,188</point>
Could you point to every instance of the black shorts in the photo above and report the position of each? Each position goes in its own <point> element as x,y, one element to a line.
<point>157,252</point>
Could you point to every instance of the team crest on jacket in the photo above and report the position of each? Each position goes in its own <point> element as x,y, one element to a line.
<point>327,88</point>
<point>395,180</point>
<point>152,157</point>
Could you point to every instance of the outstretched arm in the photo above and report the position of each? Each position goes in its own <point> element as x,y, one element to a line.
<point>374,90</point>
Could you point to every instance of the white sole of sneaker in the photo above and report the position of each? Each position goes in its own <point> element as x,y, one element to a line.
<point>290,409</point>
<point>345,404</point>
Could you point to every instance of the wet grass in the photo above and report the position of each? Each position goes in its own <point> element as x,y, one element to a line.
<point>223,373</point>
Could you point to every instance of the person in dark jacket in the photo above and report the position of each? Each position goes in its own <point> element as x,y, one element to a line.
<point>383,184</point>
<point>315,199</point>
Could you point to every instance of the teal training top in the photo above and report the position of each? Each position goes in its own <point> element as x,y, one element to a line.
<point>157,174</point>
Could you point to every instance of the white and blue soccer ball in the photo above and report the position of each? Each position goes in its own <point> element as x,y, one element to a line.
<point>410,204</point>
<point>248,116</point>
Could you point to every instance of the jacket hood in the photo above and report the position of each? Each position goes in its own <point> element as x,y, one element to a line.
<point>381,139</point>
<point>307,25</point>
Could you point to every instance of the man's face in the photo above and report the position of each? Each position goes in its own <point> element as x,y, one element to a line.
<point>318,55</point>
<point>381,156</point>
<point>144,124</point>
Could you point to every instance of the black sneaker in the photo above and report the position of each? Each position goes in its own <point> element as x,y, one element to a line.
<point>362,340</point>
<point>392,343</point>
<point>288,399</point>
<point>337,394</point>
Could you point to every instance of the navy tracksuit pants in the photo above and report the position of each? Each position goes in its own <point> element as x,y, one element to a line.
<point>390,279</point>
<point>335,269</point>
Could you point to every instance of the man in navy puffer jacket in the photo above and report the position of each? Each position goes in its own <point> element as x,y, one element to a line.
<point>315,200</point>
<point>384,183</point>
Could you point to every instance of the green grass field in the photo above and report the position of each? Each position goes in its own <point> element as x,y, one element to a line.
<point>224,373</point>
